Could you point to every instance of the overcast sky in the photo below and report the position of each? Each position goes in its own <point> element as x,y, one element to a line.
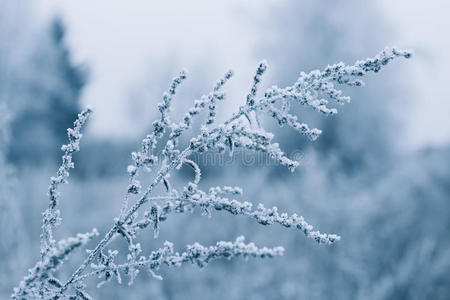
<point>104,33</point>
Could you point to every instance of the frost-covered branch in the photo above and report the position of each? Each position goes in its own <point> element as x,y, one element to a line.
<point>194,254</point>
<point>193,197</point>
<point>34,284</point>
<point>51,216</point>
<point>145,158</point>
<point>242,130</point>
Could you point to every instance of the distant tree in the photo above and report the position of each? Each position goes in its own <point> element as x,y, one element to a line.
<point>44,87</point>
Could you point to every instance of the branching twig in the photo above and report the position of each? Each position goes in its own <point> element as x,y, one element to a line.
<point>314,90</point>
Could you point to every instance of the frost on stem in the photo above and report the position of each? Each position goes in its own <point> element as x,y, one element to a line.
<point>53,254</point>
<point>314,90</point>
<point>145,158</point>
<point>193,197</point>
<point>51,216</point>
<point>216,95</point>
<point>194,254</point>
<point>40,283</point>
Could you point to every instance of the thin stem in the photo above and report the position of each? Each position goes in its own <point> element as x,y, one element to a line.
<point>104,242</point>
<point>144,199</point>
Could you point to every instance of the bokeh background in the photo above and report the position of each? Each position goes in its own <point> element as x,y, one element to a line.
<point>379,175</point>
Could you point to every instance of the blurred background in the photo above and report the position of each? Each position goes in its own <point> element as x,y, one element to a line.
<point>379,175</point>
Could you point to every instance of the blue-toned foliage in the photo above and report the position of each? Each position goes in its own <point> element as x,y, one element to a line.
<point>243,130</point>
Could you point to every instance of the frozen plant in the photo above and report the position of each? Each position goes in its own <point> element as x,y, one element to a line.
<point>242,130</point>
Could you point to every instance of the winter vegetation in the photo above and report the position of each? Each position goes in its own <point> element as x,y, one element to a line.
<point>243,130</point>
<point>360,180</point>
